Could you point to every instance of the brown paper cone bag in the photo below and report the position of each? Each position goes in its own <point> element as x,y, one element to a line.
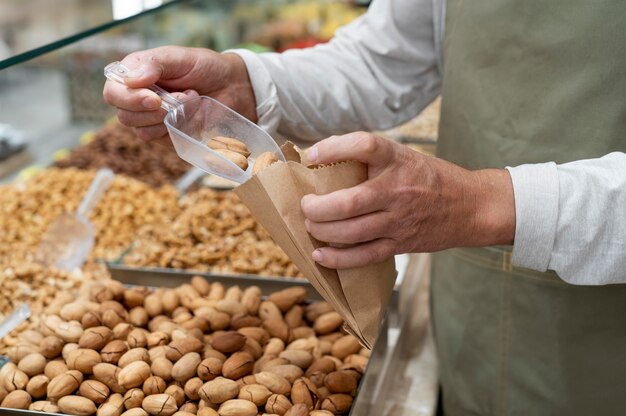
<point>360,295</point>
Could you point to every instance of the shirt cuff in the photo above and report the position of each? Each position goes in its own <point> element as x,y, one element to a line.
<point>536,191</point>
<point>265,94</point>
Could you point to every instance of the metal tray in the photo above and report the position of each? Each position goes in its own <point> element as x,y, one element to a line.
<point>376,367</point>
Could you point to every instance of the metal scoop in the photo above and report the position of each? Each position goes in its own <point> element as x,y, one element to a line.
<point>192,123</point>
<point>70,238</point>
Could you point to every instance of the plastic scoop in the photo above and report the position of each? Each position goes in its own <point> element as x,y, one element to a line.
<point>192,123</point>
<point>70,238</point>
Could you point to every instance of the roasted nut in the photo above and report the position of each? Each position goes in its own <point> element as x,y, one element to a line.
<point>260,335</point>
<point>256,393</point>
<point>83,360</point>
<point>237,407</point>
<point>277,328</point>
<point>44,406</point>
<point>73,311</point>
<point>209,368</point>
<point>69,331</point>
<point>186,367</point>
<point>219,390</point>
<point>108,374</point>
<point>67,349</point>
<point>191,388</point>
<point>137,338</point>
<point>274,382</point>
<point>138,316</point>
<point>337,403</point>
<point>289,371</point>
<point>189,407</point>
<point>54,368</point>
<point>154,385</point>
<point>278,404</point>
<point>286,298</point>
<point>94,390</point>
<point>340,382</point>
<point>113,351</point>
<point>274,347</point>
<point>228,143</point>
<point>76,405</point>
<point>305,392</point>
<point>176,349</point>
<point>302,359</point>
<point>298,410</point>
<point>207,411</point>
<point>202,286</point>
<point>91,319</point>
<point>263,161</point>
<point>159,405</point>
<point>134,374</point>
<point>345,346</point>
<point>32,364</point>
<point>38,386</point>
<point>12,378</point>
<point>17,399</point>
<point>269,311</point>
<point>327,323</point>
<point>133,398</point>
<point>228,342</point>
<point>136,411</point>
<point>162,367</point>
<point>51,346</point>
<point>322,365</point>
<point>64,384</point>
<point>113,406</point>
<point>237,158</point>
<point>238,365</point>
<point>157,338</point>
<point>294,316</point>
<point>177,393</point>
<point>133,355</point>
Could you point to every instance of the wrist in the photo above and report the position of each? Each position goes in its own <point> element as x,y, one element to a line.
<point>494,211</point>
<point>240,87</point>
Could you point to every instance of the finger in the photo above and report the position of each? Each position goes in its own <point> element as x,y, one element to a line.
<point>344,203</point>
<point>360,146</point>
<point>149,133</point>
<point>140,118</point>
<point>354,230</point>
<point>121,96</point>
<point>361,255</point>
<point>159,64</point>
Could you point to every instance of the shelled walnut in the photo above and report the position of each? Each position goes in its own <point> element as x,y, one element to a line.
<point>214,232</point>
<point>298,372</point>
<point>117,147</point>
<point>27,209</point>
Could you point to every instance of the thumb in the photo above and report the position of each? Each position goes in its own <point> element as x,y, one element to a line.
<point>144,71</point>
<point>360,146</point>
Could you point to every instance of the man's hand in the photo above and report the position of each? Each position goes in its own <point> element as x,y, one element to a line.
<point>409,203</point>
<point>195,71</point>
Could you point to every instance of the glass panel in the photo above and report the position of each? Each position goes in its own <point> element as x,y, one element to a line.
<point>27,25</point>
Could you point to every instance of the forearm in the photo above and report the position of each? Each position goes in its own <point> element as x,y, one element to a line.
<point>377,72</point>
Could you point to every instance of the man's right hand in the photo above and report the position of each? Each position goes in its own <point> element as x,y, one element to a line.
<point>192,70</point>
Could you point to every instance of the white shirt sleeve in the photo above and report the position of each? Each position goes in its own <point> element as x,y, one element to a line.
<point>571,218</point>
<point>377,72</point>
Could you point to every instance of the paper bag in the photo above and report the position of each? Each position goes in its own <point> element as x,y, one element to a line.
<point>360,295</point>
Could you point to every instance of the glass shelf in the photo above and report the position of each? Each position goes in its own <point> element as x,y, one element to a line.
<point>30,28</point>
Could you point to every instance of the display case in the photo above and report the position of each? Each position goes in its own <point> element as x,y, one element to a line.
<point>52,114</point>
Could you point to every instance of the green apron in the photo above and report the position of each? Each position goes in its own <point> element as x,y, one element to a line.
<point>529,81</point>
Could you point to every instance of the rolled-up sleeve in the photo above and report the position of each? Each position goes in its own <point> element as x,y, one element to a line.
<point>571,218</point>
<point>377,72</point>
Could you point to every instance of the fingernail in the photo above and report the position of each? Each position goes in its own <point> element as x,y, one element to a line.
<point>135,73</point>
<point>313,154</point>
<point>150,102</point>
<point>307,224</point>
<point>317,256</point>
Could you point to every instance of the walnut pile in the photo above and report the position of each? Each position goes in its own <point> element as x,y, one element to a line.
<point>215,232</point>
<point>27,209</point>
<point>116,146</point>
